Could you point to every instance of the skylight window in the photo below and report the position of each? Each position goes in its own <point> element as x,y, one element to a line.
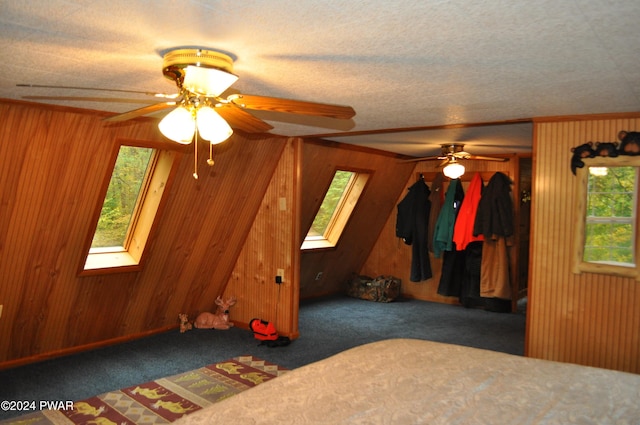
<point>120,206</point>
<point>128,208</point>
<point>335,210</point>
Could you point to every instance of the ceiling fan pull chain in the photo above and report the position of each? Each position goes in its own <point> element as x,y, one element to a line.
<point>210,160</point>
<point>195,156</point>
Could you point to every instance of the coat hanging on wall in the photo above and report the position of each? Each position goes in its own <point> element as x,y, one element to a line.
<point>463,229</point>
<point>437,199</point>
<point>495,221</point>
<point>494,217</point>
<point>461,268</point>
<point>443,233</point>
<point>412,226</point>
<point>443,245</point>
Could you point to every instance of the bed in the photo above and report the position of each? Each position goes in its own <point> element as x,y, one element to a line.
<point>406,381</point>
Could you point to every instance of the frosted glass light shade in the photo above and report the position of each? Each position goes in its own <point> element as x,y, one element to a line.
<point>211,126</point>
<point>207,81</point>
<point>453,170</point>
<point>178,125</point>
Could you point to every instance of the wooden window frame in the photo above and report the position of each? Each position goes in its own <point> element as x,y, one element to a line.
<point>160,175</point>
<point>579,265</point>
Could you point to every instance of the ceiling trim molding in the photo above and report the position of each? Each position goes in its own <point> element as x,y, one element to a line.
<point>588,117</point>
<point>419,128</point>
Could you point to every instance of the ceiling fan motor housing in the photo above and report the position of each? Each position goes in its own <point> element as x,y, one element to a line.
<point>451,148</point>
<point>175,62</point>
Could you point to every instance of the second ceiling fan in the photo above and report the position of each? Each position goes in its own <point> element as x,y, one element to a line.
<point>452,155</point>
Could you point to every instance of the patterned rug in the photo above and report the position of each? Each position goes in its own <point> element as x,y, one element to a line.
<point>164,400</point>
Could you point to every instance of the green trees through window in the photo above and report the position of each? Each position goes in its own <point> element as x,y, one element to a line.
<point>611,215</point>
<point>122,197</point>
<point>331,201</point>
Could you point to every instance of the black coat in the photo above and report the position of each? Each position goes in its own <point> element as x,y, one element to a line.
<point>494,217</point>
<point>412,226</point>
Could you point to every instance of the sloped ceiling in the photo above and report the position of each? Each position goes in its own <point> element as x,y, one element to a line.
<point>418,73</point>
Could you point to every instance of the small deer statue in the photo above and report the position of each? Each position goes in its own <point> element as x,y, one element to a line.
<point>185,324</point>
<point>219,320</point>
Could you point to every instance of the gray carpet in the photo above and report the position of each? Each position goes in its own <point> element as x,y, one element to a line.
<point>327,326</point>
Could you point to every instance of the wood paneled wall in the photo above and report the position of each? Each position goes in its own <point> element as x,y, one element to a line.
<point>51,169</point>
<point>272,245</point>
<point>319,163</point>
<point>587,318</point>
<point>391,256</point>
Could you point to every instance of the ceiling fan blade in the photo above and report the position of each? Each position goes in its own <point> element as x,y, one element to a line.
<point>242,120</point>
<point>275,104</point>
<point>140,111</point>
<point>443,163</point>
<point>147,93</point>
<point>486,158</point>
<point>87,99</point>
<point>461,154</point>
<point>426,158</point>
<point>306,120</point>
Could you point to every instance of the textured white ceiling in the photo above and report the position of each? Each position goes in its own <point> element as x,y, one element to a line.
<point>400,64</point>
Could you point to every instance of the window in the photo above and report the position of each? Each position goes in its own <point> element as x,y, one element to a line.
<point>609,229</point>
<point>121,204</point>
<point>336,208</point>
<point>608,219</point>
<point>128,208</point>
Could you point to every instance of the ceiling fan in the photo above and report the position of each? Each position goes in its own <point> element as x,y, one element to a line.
<point>200,107</point>
<point>451,157</point>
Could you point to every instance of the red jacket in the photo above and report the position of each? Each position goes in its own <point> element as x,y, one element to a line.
<point>463,228</point>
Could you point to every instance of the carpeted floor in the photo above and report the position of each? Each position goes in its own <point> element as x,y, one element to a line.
<point>327,326</point>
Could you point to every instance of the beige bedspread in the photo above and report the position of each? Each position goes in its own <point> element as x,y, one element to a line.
<point>404,381</point>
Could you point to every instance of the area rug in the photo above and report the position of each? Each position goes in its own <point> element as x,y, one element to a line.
<point>161,401</point>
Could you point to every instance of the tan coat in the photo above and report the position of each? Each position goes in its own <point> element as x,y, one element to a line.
<point>494,271</point>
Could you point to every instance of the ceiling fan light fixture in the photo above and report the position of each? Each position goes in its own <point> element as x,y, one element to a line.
<point>207,81</point>
<point>178,125</point>
<point>200,71</point>
<point>453,170</point>
<point>211,126</point>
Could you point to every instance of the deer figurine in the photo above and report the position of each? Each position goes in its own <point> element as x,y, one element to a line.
<point>185,324</point>
<point>219,320</point>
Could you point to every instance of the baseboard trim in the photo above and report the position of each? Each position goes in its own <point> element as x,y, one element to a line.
<point>10,364</point>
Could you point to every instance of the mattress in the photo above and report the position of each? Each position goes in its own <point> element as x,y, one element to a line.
<point>406,381</point>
